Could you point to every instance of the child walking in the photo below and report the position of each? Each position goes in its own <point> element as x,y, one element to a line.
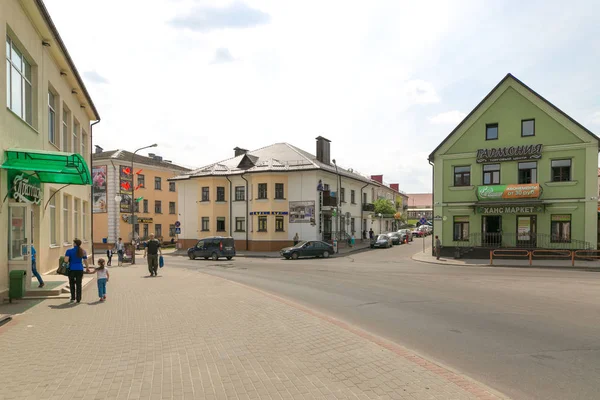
<point>102,277</point>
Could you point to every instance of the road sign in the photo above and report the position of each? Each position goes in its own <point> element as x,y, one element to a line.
<point>177,224</point>
<point>178,231</point>
<point>422,221</point>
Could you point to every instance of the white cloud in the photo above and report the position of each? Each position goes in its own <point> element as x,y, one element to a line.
<point>448,118</point>
<point>94,77</point>
<point>222,56</point>
<point>421,92</point>
<point>349,71</point>
<point>596,118</point>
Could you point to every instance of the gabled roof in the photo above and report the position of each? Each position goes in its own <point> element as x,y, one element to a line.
<point>123,155</point>
<point>507,77</point>
<point>278,157</point>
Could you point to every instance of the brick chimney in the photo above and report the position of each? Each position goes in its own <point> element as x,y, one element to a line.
<point>377,178</point>
<point>395,186</point>
<point>239,151</point>
<point>323,150</point>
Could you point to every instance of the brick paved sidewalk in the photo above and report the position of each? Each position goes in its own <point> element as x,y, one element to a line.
<point>188,335</point>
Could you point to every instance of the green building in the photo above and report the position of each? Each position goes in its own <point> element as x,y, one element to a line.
<point>516,172</point>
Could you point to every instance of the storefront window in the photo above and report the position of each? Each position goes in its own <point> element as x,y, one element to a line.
<point>76,218</point>
<point>561,228</point>
<point>461,228</point>
<point>84,214</point>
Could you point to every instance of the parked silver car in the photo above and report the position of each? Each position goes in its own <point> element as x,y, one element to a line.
<point>406,232</point>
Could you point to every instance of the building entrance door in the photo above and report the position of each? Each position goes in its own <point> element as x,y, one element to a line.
<point>491,231</point>
<point>326,227</point>
<point>20,235</point>
<point>526,231</point>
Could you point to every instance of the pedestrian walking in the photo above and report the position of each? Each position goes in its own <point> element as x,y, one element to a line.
<point>152,251</point>
<point>438,247</point>
<point>34,270</point>
<point>77,258</point>
<point>109,254</point>
<point>120,249</point>
<point>102,277</point>
<point>296,238</point>
<point>371,233</point>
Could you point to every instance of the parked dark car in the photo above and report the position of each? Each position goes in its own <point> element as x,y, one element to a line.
<point>382,242</point>
<point>313,248</point>
<point>213,247</point>
<point>397,238</point>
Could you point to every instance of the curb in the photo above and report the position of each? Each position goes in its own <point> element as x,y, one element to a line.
<point>548,267</point>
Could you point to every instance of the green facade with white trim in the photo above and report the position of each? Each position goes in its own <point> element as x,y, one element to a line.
<point>550,197</point>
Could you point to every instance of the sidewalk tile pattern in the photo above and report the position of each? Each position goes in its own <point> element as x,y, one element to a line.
<point>188,335</point>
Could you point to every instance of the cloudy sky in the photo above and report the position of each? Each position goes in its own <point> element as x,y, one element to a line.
<point>385,81</point>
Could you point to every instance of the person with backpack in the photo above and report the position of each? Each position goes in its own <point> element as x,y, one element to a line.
<point>151,252</point>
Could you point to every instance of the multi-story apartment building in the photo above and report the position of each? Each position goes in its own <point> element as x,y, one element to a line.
<point>45,138</point>
<point>516,172</point>
<point>419,206</point>
<point>117,186</point>
<point>264,197</point>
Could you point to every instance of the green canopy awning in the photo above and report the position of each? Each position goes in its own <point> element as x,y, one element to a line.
<point>49,166</point>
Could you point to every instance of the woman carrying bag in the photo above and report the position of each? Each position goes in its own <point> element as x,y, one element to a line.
<point>76,257</point>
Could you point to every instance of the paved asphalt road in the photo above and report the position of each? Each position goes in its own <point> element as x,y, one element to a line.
<point>531,334</point>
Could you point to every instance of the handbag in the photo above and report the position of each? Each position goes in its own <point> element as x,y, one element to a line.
<point>161,261</point>
<point>63,267</point>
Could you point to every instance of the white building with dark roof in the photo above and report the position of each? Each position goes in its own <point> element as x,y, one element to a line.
<point>262,198</point>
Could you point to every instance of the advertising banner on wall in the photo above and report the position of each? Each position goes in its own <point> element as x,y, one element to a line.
<point>302,211</point>
<point>99,189</point>
<point>125,188</point>
<point>507,192</point>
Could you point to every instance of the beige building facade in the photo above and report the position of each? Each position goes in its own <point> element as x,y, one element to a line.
<point>263,198</point>
<point>45,140</point>
<point>117,186</point>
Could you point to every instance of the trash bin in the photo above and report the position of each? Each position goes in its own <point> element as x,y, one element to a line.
<point>16,286</point>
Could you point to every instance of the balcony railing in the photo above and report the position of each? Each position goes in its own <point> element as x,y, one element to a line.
<point>368,207</point>
<point>513,240</point>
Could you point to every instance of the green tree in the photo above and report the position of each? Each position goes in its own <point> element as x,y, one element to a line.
<point>384,206</point>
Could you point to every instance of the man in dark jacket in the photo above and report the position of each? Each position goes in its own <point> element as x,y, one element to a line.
<point>152,251</point>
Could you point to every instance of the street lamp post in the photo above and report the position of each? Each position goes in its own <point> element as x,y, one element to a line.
<point>380,217</point>
<point>132,203</point>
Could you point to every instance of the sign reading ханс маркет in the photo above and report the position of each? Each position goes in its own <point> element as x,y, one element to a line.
<point>510,153</point>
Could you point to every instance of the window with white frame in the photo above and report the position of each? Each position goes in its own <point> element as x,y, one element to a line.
<point>66,219</point>
<point>75,144</point>
<point>19,94</point>
<point>84,144</point>
<point>52,211</point>
<point>52,118</point>
<point>65,139</point>
<point>84,214</point>
<point>76,218</point>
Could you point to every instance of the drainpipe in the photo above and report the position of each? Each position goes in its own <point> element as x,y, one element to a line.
<point>432,204</point>
<point>247,219</point>
<point>91,202</point>
<point>230,208</point>
<point>362,211</point>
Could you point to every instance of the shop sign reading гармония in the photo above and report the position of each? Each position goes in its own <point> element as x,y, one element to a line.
<point>510,153</point>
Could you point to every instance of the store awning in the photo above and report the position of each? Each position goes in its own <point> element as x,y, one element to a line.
<point>49,166</point>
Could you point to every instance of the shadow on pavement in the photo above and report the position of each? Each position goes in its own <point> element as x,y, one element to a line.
<point>62,306</point>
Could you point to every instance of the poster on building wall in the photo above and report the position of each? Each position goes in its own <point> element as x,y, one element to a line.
<point>99,189</point>
<point>125,188</point>
<point>302,211</point>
